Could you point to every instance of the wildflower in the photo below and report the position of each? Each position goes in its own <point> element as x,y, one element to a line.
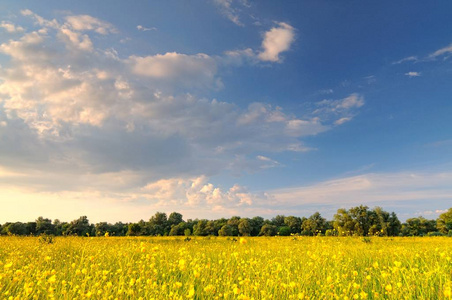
<point>52,279</point>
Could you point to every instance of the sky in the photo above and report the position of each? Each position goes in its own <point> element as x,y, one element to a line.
<point>117,110</point>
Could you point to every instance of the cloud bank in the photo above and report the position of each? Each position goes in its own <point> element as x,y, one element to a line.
<point>77,119</point>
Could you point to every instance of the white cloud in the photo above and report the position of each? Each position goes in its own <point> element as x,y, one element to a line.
<point>342,110</point>
<point>342,120</point>
<point>443,51</point>
<point>406,59</point>
<point>277,40</point>
<point>76,40</point>
<point>142,28</point>
<point>371,188</point>
<point>389,190</point>
<point>197,70</point>
<point>299,128</point>
<point>10,27</point>
<point>89,23</point>
<point>413,74</point>
<point>196,192</point>
<point>230,10</point>
<point>80,121</point>
<point>268,162</point>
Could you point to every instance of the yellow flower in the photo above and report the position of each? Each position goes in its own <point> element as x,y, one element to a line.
<point>52,279</point>
<point>191,292</point>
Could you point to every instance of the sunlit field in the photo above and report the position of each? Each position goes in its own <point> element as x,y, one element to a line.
<point>226,268</point>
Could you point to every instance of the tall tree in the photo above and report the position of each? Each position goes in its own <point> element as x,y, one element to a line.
<point>44,225</point>
<point>244,227</point>
<point>158,224</point>
<point>175,218</point>
<point>314,225</point>
<point>80,227</point>
<point>294,223</point>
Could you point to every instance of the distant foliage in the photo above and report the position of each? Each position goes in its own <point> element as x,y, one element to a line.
<point>356,221</point>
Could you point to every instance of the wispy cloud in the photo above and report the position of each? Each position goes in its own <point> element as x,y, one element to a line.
<point>142,28</point>
<point>406,59</point>
<point>231,9</point>
<point>341,110</point>
<point>383,189</point>
<point>446,52</point>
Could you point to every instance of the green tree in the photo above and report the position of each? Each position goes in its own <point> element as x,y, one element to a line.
<point>102,228</point>
<point>31,228</point>
<point>80,227</point>
<point>226,230</point>
<point>200,228</point>
<point>178,229</point>
<point>256,225</point>
<point>394,225</point>
<point>244,227</point>
<point>278,221</point>
<point>268,230</point>
<point>158,224</point>
<point>294,223</point>
<point>343,222</point>
<point>234,223</point>
<point>175,218</point>
<point>418,226</point>
<point>44,226</point>
<point>444,222</point>
<point>134,229</point>
<point>284,231</point>
<point>361,216</point>
<point>17,228</point>
<point>314,225</point>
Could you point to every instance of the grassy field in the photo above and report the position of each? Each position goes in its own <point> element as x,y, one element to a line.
<point>221,268</point>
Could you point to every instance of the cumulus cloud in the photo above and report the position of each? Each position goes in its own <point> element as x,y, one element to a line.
<point>413,74</point>
<point>196,192</point>
<point>277,40</point>
<point>80,120</point>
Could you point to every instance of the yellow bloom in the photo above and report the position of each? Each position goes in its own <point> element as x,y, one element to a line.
<point>52,279</point>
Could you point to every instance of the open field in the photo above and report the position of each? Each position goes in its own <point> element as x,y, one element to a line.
<point>221,268</point>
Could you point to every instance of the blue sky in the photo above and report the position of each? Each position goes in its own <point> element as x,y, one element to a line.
<point>116,110</point>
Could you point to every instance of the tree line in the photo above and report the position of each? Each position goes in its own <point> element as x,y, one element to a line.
<point>356,221</point>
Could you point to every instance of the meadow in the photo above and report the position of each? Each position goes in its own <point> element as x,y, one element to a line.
<point>226,268</point>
